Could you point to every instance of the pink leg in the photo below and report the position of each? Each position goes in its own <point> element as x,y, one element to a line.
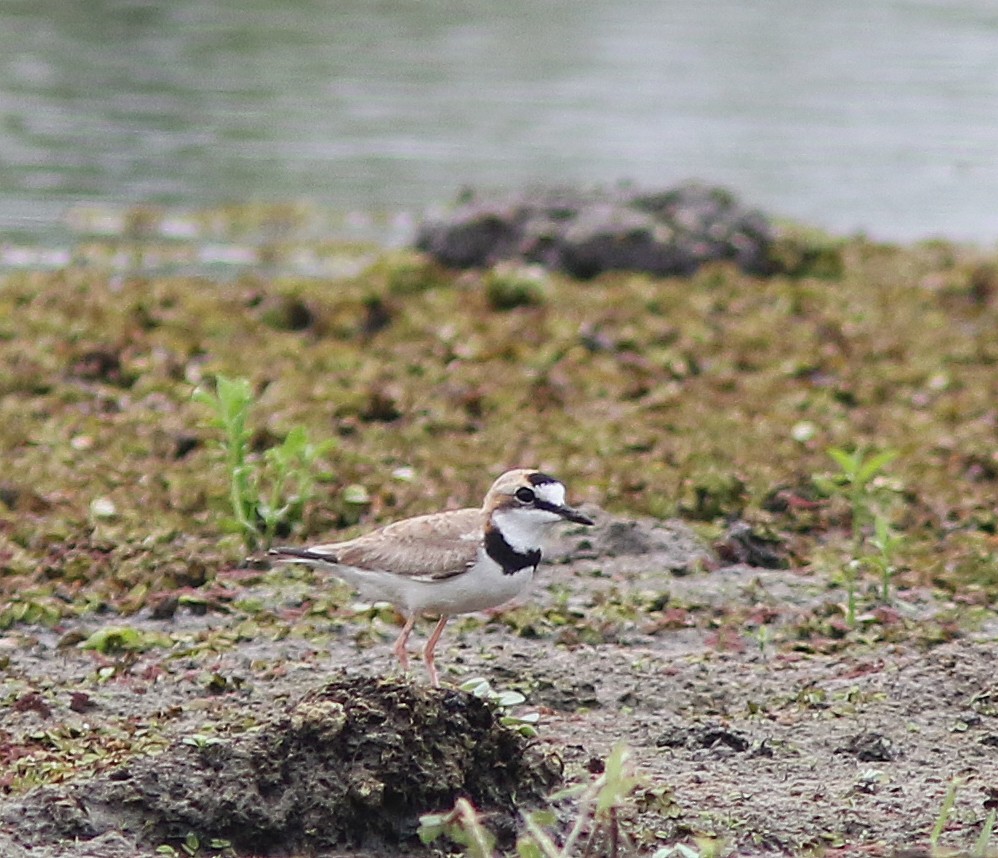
<point>399,649</point>
<point>430,646</point>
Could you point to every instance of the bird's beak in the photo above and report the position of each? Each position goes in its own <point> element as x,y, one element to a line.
<point>570,514</point>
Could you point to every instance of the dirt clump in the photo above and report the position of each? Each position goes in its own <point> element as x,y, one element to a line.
<point>353,763</point>
<point>584,233</point>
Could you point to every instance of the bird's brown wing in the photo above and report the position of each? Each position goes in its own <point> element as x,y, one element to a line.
<point>432,547</point>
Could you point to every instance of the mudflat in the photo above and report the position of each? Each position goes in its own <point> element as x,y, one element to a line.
<point>797,653</point>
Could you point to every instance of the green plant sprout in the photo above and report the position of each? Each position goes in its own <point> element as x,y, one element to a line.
<point>194,846</point>
<point>200,741</point>
<point>887,542</point>
<point>855,481</point>
<point>980,849</point>
<point>598,813</point>
<point>762,638</point>
<point>706,847</point>
<point>606,795</point>
<point>267,495</point>
<point>949,800</point>
<point>231,404</point>
<point>463,826</point>
<point>525,724</point>
<point>291,465</point>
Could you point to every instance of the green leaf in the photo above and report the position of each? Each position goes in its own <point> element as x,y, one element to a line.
<point>477,685</point>
<point>123,638</point>
<point>618,779</point>
<point>828,486</point>
<point>885,540</point>
<point>505,699</point>
<point>873,466</point>
<point>234,393</point>
<point>547,818</point>
<point>431,826</point>
<point>356,494</point>
<point>848,462</point>
<point>526,848</point>
<point>980,849</point>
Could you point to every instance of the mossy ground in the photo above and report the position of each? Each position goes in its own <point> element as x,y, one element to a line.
<point>648,396</point>
<point>713,398</point>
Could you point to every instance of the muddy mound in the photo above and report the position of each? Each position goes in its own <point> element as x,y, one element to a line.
<point>353,763</point>
<point>585,233</point>
<point>671,545</point>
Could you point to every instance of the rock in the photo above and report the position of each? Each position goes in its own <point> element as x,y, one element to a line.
<point>587,233</point>
<point>742,544</point>
<point>703,736</point>
<point>870,747</point>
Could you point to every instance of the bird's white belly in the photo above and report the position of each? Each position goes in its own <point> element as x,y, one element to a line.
<point>483,586</point>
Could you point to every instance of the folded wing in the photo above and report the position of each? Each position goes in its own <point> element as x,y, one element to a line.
<point>429,547</point>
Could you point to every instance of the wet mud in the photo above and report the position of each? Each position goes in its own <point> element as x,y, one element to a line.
<point>759,746</point>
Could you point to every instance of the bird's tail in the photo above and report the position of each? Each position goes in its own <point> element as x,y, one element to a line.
<point>285,554</point>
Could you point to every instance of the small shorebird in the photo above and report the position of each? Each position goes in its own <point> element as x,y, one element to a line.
<point>450,562</point>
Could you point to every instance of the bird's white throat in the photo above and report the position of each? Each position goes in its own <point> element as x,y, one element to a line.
<point>524,529</point>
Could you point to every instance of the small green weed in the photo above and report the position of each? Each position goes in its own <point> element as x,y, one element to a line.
<point>200,741</point>
<point>856,481</point>
<point>231,404</point>
<point>508,286</point>
<point>114,639</point>
<point>597,819</point>
<point>192,846</point>
<point>886,542</point>
<point>291,466</point>
<point>525,724</point>
<point>706,847</point>
<point>944,813</point>
<point>24,608</point>
<point>463,826</point>
<point>269,494</point>
<point>599,806</point>
<point>981,847</point>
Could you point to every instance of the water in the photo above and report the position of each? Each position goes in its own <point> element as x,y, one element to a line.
<point>860,115</point>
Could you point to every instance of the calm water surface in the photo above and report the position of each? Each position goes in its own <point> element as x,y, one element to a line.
<point>875,115</point>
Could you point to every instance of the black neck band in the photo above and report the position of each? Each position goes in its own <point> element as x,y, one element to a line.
<point>506,556</point>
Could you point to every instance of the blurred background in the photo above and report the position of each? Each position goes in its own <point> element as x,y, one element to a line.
<point>857,115</point>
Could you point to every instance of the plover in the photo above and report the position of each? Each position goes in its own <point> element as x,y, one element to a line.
<point>451,562</point>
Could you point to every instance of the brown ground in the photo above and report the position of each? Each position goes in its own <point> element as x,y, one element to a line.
<point>153,682</point>
<point>766,748</point>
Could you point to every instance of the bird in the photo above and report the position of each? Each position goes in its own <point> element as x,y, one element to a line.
<point>452,562</point>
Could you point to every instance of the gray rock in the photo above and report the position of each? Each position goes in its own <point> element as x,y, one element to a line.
<point>586,233</point>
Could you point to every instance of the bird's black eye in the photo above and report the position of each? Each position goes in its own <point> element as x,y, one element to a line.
<point>525,495</point>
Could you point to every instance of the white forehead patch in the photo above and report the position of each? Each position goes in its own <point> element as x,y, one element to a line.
<point>551,492</point>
